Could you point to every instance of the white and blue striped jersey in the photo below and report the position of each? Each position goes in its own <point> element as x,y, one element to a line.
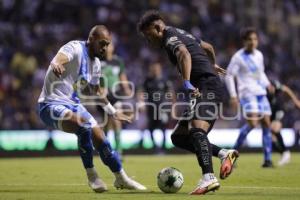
<point>80,69</point>
<point>248,68</point>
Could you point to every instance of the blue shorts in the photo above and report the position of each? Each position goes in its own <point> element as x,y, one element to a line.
<point>53,114</point>
<point>256,104</point>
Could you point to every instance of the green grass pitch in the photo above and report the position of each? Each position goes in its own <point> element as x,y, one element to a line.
<point>64,178</point>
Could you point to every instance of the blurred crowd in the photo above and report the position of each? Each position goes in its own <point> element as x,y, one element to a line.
<point>31,32</point>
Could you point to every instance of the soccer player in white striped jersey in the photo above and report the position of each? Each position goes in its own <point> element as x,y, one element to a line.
<point>247,66</point>
<point>74,74</point>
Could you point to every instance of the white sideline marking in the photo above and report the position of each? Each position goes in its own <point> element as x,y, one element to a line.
<point>81,184</point>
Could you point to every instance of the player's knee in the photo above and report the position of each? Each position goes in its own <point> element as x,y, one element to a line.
<point>98,136</point>
<point>276,126</point>
<point>175,140</point>
<point>266,123</point>
<point>197,133</point>
<point>253,123</point>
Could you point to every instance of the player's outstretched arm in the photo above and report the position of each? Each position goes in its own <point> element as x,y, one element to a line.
<point>291,94</point>
<point>57,64</point>
<point>108,108</point>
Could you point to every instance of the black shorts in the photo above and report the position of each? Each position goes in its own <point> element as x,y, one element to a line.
<point>202,109</point>
<point>206,107</point>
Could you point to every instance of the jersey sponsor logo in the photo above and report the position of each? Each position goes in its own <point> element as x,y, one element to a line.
<point>172,40</point>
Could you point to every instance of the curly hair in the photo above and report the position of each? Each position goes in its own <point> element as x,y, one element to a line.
<point>147,19</point>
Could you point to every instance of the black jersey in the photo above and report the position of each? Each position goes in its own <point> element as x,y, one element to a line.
<point>274,99</point>
<point>201,65</point>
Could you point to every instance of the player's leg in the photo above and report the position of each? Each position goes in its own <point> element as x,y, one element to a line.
<point>108,156</point>
<point>250,109</point>
<point>117,126</point>
<point>203,150</point>
<point>62,117</point>
<point>82,122</point>
<point>265,110</point>
<point>267,141</point>
<point>278,143</point>
<point>252,122</point>
<point>181,139</point>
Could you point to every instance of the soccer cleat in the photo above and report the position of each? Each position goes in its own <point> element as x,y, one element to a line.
<point>227,164</point>
<point>268,164</point>
<point>285,158</point>
<point>96,183</point>
<point>128,183</point>
<point>205,186</point>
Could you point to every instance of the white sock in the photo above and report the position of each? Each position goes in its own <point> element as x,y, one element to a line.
<point>208,176</point>
<point>120,174</point>
<point>222,153</point>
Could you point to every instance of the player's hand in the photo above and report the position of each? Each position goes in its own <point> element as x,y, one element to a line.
<point>57,69</point>
<point>234,102</point>
<point>220,71</point>
<point>191,89</point>
<point>119,115</point>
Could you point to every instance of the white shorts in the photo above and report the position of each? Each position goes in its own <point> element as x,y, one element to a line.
<point>53,114</point>
<point>256,104</point>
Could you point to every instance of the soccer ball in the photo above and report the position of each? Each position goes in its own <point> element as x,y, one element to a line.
<point>169,180</point>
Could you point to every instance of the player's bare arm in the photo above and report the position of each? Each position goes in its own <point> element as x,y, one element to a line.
<point>117,114</point>
<point>184,61</point>
<point>209,49</point>
<point>291,94</point>
<point>57,64</point>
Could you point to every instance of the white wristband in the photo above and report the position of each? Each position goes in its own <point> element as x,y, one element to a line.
<point>109,109</point>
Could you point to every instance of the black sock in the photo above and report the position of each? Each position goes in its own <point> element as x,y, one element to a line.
<point>280,142</point>
<point>203,149</point>
<point>183,141</point>
<point>215,150</point>
<point>276,147</point>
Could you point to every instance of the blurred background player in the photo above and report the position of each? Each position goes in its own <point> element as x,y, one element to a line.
<point>276,117</point>
<point>195,61</point>
<point>114,82</point>
<point>74,73</point>
<point>247,65</point>
<point>156,87</point>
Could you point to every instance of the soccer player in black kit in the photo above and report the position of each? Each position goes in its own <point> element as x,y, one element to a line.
<point>195,60</point>
<point>276,117</point>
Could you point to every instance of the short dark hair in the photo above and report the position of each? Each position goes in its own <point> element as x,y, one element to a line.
<point>246,32</point>
<point>147,19</point>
